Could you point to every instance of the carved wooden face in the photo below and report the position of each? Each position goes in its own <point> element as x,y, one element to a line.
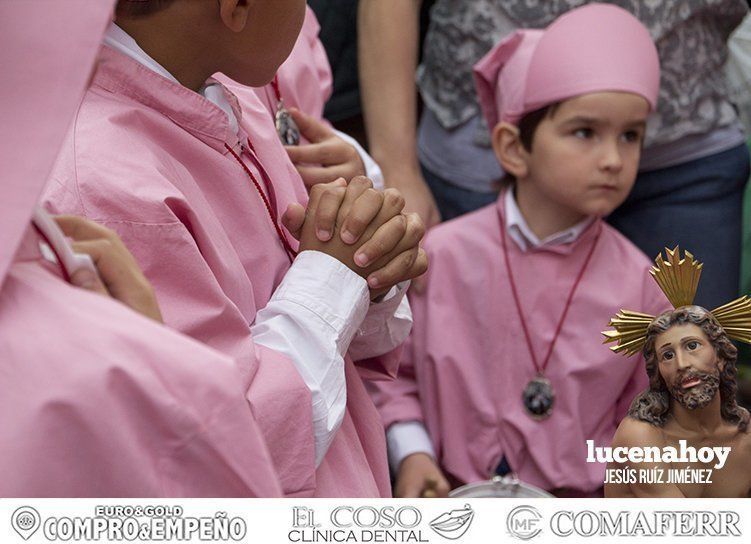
<point>689,365</point>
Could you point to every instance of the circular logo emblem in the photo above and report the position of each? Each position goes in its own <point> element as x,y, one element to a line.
<point>524,522</point>
<point>25,521</point>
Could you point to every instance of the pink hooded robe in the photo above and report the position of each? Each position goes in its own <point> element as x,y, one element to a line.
<point>147,158</point>
<point>467,361</point>
<point>97,400</point>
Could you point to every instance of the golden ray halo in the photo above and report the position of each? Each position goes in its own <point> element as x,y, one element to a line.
<point>678,277</point>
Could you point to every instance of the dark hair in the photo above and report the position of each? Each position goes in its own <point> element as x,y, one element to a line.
<point>527,129</point>
<point>653,404</point>
<point>529,123</point>
<point>140,8</point>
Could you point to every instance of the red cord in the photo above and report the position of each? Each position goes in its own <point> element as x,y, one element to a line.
<point>291,253</point>
<point>540,370</point>
<point>275,86</point>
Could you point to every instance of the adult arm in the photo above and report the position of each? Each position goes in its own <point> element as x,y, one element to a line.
<point>388,39</point>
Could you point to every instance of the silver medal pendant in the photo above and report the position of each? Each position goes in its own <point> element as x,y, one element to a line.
<point>286,127</point>
<point>538,397</point>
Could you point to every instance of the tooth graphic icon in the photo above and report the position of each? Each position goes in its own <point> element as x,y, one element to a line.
<point>25,520</point>
<point>454,524</point>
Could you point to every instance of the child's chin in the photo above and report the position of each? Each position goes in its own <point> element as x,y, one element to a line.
<point>602,207</point>
<point>252,76</point>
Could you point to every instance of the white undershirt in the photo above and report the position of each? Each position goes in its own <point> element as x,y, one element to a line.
<point>321,309</point>
<point>121,41</point>
<point>519,231</point>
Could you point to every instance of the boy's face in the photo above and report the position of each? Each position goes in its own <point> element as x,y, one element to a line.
<point>585,155</point>
<point>255,53</point>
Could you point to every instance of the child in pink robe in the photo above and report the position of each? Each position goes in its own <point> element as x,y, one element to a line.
<point>505,369</point>
<point>97,401</point>
<point>172,172</point>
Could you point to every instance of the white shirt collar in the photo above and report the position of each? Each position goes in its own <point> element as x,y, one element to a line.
<point>522,235</point>
<point>121,41</point>
<point>118,39</point>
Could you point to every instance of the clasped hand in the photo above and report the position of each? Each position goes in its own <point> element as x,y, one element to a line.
<point>364,229</point>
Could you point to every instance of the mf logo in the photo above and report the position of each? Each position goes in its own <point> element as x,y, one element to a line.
<point>524,522</point>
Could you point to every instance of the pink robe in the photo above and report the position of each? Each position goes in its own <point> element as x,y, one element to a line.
<point>96,399</point>
<point>305,83</point>
<point>467,361</point>
<point>147,158</point>
<point>106,403</point>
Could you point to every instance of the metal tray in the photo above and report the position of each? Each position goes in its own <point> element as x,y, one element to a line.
<point>500,486</point>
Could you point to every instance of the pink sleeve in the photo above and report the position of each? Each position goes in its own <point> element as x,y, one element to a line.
<point>111,404</point>
<point>193,302</point>
<point>383,367</point>
<point>222,457</point>
<point>319,58</point>
<point>399,400</point>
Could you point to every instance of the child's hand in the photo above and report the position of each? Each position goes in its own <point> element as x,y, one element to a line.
<point>119,277</point>
<point>392,254</point>
<point>326,157</point>
<point>419,476</point>
<point>362,228</point>
<point>341,217</point>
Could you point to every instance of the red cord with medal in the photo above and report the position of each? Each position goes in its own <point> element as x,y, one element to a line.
<point>270,201</point>
<point>538,396</point>
<point>286,127</point>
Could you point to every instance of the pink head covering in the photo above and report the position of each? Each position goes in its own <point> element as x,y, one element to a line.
<point>47,51</point>
<point>594,48</point>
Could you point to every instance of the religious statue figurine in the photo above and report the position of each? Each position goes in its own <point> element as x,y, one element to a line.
<point>690,404</point>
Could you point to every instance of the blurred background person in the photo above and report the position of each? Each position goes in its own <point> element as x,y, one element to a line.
<point>695,164</point>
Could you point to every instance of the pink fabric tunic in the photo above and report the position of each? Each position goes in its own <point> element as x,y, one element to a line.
<point>99,401</point>
<point>147,158</point>
<point>467,362</point>
<point>96,399</point>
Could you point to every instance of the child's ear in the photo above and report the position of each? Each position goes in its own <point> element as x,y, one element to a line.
<point>235,13</point>
<point>509,150</point>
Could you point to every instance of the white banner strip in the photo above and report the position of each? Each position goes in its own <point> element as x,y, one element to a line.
<point>285,521</point>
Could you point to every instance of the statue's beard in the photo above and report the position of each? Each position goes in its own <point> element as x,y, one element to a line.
<point>699,395</point>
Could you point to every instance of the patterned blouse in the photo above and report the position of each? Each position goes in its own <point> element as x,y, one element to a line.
<point>691,37</point>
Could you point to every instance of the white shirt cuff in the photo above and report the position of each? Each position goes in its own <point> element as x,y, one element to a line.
<point>325,286</point>
<point>404,439</point>
<point>311,318</point>
<point>386,325</point>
